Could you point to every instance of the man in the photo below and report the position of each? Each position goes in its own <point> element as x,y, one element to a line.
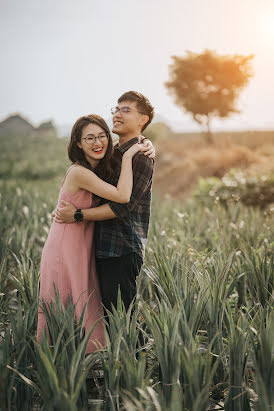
<point>122,229</point>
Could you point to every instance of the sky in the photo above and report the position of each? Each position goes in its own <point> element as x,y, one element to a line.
<point>61,59</point>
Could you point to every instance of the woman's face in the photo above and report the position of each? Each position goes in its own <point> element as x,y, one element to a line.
<point>94,142</point>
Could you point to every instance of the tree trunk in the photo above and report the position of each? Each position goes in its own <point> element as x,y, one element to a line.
<point>209,137</point>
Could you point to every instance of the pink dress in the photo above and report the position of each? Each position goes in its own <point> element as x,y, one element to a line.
<point>68,260</point>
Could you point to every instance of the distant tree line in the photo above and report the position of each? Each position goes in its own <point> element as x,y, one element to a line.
<point>16,125</point>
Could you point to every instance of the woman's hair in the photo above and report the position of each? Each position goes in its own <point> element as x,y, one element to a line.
<point>76,154</point>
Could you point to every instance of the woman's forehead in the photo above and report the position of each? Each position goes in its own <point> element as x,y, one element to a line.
<point>92,128</point>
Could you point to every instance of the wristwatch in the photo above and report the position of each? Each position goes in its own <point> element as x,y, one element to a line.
<point>78,215</point>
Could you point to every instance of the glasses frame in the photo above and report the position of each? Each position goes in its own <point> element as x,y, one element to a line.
<point>95,138</point>
<point>115,110</point>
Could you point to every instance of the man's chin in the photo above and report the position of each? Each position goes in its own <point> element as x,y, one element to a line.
<point>116,131</point>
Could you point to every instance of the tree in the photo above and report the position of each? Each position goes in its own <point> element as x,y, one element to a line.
<point>207,85</point>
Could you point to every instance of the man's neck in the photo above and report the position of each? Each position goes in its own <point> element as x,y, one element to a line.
<point>127,137</point>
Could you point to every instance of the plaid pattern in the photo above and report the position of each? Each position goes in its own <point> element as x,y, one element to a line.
<point>128,232</point>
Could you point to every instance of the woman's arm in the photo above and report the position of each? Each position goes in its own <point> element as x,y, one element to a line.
<point>88,180</point>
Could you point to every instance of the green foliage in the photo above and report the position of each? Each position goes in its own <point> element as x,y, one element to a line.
<point>262,343</point>
<point>237,399</point>
<point>62,366</point>
<point>235,187</point>
<point>16,351</point>
<point>32,157</point>
<point>203,309</point>
<point>207,84</point>
<point>124,365</point>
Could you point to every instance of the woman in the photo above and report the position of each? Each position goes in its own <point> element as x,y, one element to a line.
<point>68,258</point>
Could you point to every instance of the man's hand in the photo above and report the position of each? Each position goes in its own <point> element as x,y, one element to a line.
<point>64,214</point>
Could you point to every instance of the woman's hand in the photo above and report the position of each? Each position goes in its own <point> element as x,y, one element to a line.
<point>133,150</point>
<point>148,148</point>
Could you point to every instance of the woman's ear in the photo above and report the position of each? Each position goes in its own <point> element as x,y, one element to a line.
<point>79,145</point>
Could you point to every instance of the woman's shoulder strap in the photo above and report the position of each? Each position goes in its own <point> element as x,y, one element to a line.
<point>68,170</point>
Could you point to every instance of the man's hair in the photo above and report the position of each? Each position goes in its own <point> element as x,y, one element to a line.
<point>143,104</point>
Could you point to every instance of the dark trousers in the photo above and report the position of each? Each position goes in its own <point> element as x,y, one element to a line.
<point>118,271</point>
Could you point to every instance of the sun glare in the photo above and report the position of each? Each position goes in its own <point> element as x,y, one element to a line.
<point>269,26</point>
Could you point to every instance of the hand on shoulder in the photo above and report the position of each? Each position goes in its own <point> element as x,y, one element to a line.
<point>148,148</point>
<point>135,148</point>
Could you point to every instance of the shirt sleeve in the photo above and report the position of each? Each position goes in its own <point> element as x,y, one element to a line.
<point>142,168</point>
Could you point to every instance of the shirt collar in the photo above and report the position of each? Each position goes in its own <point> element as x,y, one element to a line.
<point>124,147</point>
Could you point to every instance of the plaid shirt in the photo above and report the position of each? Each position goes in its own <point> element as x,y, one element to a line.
<point>128,232</point>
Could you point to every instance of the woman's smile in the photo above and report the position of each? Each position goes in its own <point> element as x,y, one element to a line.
<point>98,150</point>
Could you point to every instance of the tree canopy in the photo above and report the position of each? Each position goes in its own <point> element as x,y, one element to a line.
<point>207,85</point>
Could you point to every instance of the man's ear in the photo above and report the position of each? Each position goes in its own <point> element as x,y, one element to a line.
<point>145,119</point>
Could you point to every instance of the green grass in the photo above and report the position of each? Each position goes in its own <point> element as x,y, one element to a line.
<point>204,306</point>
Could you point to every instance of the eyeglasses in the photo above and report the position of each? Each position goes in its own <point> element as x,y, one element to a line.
<point>90,139</point>
<point>123,110</point>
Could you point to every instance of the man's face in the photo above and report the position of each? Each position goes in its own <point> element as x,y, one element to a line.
<point>128,119</point>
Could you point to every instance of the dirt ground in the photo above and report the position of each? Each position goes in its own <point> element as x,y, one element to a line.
<point>183,158</point>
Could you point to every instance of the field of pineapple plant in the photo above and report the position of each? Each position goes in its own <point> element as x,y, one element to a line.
<point>204,307</point>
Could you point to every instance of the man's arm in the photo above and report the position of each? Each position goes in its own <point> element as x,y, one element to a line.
<point>100,213</point>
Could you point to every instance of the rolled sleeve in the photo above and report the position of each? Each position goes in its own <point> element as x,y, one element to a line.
<point>120,210</point>
<point>142,168</point>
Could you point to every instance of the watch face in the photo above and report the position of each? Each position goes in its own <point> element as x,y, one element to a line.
<point>78,215</point>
